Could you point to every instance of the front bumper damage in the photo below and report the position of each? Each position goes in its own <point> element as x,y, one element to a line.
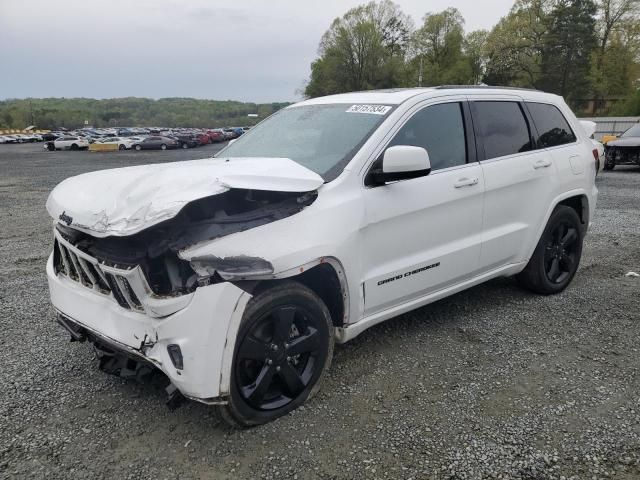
<point>118,359</point>
<point>132,344</point>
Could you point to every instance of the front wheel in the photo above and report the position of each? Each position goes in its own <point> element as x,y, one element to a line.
<point>122,147</point>
<point>283,348</point>
<point>609,161</point>
<point>163,147</point>
<point>138,147</point>
<point>557,255</point>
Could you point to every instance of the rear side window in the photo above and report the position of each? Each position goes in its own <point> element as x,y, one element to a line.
<point>440,130</point>
<point>553,128</point>
<point>502,127</point>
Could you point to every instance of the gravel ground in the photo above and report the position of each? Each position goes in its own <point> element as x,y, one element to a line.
<point>491,383</point>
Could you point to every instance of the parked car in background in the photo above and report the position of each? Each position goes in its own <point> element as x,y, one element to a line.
<point>216,136</point>
<point>625,150</point>
<point>25,138</point>
<point>68,143</point>
<point>7,139</point>
<point>187,141</point>
<point>124,143</point>
<point>203,138</point>
<point>229,133</point>
<point>156,143</point>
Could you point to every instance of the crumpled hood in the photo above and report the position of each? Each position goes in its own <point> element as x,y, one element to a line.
<point>625,142</point>
<point>124,201</point>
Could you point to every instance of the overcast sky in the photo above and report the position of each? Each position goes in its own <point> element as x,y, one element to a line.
<point>251,50</point>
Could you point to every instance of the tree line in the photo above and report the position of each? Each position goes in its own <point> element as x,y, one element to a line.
<point>588,51</point>
<point>51,113</point>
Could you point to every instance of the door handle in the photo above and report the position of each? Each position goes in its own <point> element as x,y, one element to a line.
<point>466,182</point>
<point>542,164</point>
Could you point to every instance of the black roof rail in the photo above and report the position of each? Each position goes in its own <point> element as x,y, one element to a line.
<point>488,87</point>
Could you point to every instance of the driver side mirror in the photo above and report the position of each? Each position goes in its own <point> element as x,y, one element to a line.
<point>402,162</point>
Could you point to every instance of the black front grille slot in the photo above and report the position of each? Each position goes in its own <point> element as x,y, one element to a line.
<point>115,289</point>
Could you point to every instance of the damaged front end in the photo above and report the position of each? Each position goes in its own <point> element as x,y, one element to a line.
<point>143,272</point>
<point>117,276</point>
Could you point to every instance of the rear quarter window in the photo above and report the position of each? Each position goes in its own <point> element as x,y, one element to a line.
<point>553,128</point>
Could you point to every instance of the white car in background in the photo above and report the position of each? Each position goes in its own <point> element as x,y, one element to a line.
<point>124,143</point>
<point>7,139</point>
<point>69,143</point>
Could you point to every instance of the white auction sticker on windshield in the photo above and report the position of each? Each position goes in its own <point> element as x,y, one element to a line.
<point>373,109</point>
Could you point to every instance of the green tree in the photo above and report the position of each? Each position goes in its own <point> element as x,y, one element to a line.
<point>514,46</point>
<point>567,49</point>
<point>475,49</point>
<point>439,45</point>
<point>363,49</point>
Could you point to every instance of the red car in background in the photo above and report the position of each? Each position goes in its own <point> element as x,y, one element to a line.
<point>203,138</point>
<point>216,136</point>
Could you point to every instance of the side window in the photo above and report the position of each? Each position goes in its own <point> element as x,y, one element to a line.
<point>440,130</point>
<point>502,128</point>
<point>553,128</point>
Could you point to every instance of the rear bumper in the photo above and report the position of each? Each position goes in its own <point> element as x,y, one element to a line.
<point>201,330</point>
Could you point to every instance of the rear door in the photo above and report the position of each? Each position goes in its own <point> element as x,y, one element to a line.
<point>519,180</point>
<point>572,159</point>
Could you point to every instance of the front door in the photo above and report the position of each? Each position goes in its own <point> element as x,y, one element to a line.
<point>424,234</point>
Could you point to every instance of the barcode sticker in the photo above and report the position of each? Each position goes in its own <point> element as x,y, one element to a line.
<point>372,109</point>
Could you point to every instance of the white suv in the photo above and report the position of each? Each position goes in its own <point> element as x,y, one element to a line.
<point>68,143</point>
<point>235,275</point>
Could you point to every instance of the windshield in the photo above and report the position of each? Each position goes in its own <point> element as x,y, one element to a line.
<point>322,138</point>
<point>632,132</point>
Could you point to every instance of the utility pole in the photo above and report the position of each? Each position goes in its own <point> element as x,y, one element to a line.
<point>420,74</point>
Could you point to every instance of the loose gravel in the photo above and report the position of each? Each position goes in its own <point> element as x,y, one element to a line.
<point>493,382</point>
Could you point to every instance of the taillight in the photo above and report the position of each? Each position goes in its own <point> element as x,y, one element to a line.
<point>596,157</point>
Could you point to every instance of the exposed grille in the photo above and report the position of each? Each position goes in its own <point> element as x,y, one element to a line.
<point>88,271</point>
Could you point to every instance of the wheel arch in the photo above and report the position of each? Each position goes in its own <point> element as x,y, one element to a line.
<point>325,276</point>
<point>578,200</point>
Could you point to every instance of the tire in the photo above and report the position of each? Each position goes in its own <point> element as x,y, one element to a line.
<point>609,161</point>
<point>261,352</point>
<point>163,147</point>
<point>184,145</point>
<point>122,147</point>
<point>556,258</point>
<point>74,146</point>
<point>138,147</point>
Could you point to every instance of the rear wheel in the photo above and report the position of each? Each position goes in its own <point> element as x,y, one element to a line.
<point>163,147</point>
<point>74,147</point>
<point>138,147</point>
<point>122,147</point>
<point>557,255</point>
<point>283,348</point>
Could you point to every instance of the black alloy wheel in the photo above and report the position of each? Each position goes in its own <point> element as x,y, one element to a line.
<point>74,147</point>
<point>561,252</point>
<point>122,147</point>
<point>283,348</point>
<point>556,258</point>
<point>277,358</point>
